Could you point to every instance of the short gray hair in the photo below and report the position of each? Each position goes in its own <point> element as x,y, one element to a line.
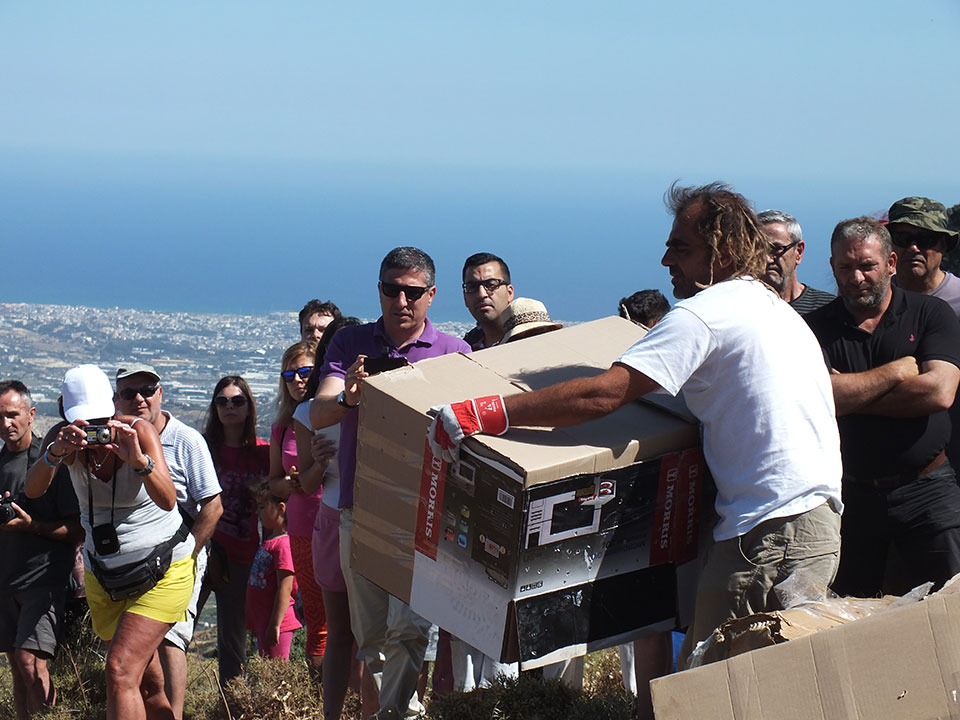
<point>861,228</point>
<point>19,388</point>
<point>789,221</point>
<point>409,258</point>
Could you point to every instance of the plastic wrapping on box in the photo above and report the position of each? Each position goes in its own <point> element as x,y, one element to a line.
<point>808,608</point>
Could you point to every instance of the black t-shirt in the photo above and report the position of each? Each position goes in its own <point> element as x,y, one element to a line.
<point>28,560</point>
<point>914,325</point>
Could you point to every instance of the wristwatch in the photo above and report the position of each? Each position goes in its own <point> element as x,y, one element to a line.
<point>342,401</point>
<point>148,469</point>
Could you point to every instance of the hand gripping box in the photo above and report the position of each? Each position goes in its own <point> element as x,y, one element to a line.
<point>544,543</point>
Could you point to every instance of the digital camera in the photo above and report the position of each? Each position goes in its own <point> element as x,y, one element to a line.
<point>99,434</point>
<point>7,513</point>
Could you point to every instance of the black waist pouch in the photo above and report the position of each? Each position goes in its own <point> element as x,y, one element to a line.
<point>134,579</point>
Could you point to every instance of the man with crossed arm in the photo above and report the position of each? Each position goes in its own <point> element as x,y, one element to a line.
<point>895,356</point>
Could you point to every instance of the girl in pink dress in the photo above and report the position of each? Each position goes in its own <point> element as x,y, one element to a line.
<point>272,584</point>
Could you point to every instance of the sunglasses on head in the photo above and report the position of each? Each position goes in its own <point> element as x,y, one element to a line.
<point>411,292</point>
<point>236,401</point>
<point>778,251</point>
<point>131,393</point>
<point>303,372</point>
<point>490,285</point>
<point>923,241</point>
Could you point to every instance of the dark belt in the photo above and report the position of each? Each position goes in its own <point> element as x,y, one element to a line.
<point>891,482</point>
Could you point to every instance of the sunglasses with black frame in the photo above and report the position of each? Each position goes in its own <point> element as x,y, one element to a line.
<point>923,240</point>
<point>490,285</point>
<point>778,251</point>
<point>147,391</point>
<point>411,292</point>
<point>303,372</point>
<point>235,401</point>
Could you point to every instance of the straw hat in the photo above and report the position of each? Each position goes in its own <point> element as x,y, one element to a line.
<point>524,317</point>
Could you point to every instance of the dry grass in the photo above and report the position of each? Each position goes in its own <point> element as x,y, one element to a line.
<point>275,690</point>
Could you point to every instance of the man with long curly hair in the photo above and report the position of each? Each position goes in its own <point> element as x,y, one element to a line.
<point>753,374</point>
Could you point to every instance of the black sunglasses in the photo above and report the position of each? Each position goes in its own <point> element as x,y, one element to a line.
<point>778,251</point>
<point>303,372</point>
<point>131,393</point>
<point>490,285</point>
<point>236,401</point>
<point>412,292</point>
<point>923,241</point>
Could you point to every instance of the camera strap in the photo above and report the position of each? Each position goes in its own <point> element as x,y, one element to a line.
<point>113,495</point>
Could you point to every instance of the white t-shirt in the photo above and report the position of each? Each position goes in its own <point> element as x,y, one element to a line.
<point>190,464</point>
<point>331,478</point>
<point>753,373</point>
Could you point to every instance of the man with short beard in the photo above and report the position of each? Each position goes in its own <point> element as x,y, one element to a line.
<point>786,252</point>
<point>894,356</point>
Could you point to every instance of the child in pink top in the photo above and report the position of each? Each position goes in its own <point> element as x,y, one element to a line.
<point>271,586</point>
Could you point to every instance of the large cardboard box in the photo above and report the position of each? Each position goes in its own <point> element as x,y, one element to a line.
<point>901,664</point>
<point>544,543</point>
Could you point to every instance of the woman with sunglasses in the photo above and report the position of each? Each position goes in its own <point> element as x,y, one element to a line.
<point>295,368</point>
<point>128,511</point>
<point>242,461</point>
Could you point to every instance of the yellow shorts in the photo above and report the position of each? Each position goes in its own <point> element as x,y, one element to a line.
<point>165,602</point>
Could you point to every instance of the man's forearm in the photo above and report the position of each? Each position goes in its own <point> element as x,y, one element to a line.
<point>206,520</point>
<point>854,392</point>
<point>925,394</point>
<point>577,401</point>
<point>68,531</point>
<point>326,411</point>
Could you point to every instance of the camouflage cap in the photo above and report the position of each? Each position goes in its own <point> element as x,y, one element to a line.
<point>923,213</point>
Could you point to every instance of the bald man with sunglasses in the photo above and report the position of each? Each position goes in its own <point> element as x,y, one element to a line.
<point>384,627</point>
<point>139,393</point>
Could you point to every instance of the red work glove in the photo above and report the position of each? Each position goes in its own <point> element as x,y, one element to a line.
<point>455,422</point>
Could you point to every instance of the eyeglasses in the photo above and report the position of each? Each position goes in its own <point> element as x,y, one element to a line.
<point>412,292</point>
<point>778,251</point>
<point>490,285</point>
<point>131,393</point>
<point>303,372</point>
<point>923,241</point>
<point>235,401</point>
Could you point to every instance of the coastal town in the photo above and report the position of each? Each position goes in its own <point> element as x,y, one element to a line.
<point>191,351</point>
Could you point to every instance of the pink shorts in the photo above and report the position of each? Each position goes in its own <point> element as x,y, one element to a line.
<point>326,550</point>
<point>280,650</point>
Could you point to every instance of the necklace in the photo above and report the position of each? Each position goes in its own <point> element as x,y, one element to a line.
<point>93,461</point>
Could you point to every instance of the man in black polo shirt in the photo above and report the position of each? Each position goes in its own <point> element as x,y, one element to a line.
<point>895,357</point>
<point>38,540</point>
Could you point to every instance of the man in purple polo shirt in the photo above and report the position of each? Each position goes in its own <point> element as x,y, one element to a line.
<point>391,637</point>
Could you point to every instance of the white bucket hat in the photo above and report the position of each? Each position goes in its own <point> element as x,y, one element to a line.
<point>86,394</point>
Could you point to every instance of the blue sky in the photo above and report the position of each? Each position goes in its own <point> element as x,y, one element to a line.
<point>252,155</point>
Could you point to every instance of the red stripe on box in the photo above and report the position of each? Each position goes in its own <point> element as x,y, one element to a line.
<point>686,538</point>
<point>663,519</point>
<point>430,507</point>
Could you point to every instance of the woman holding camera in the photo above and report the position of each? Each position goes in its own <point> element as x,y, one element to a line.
<point>138,556</point>
<point>242,461</point>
